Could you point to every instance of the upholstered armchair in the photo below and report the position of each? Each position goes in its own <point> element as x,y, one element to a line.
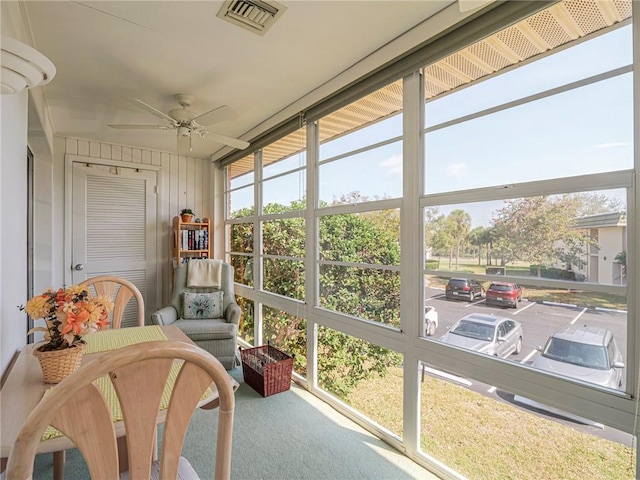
<point>211,324</point>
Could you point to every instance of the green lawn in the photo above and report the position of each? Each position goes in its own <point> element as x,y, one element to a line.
<point>485,439</point>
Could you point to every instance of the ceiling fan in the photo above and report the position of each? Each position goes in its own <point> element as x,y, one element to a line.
<point>187,123</point>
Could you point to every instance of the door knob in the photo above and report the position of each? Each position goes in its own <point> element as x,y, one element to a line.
<point>79,266</point>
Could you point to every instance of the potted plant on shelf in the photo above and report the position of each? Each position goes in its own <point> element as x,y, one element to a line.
<point>68,314</point>
<point>187,215</point>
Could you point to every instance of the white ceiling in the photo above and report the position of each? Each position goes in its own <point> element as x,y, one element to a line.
<point>107,53</point>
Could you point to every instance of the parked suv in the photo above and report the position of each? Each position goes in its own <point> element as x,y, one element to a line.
<point>465,288</point>
<point>586,353</point>
<point>504,293</point>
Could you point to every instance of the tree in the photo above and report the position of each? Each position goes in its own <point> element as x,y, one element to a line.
<point>476,238</point>
<point>459,224</point>
<point>488,237</point>
<point>433,224</point>
<point>538,229</point>
<point>593,203</point>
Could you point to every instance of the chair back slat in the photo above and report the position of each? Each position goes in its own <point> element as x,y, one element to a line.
<point>120,290</point>
<point>84,417</point>
<point>139,374</point>
<point>141,383</point>
<point>190,385</point>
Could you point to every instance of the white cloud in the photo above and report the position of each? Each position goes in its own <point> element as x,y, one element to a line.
<point>393,164</point>
<point>612,145</point>
<point>457,170</point>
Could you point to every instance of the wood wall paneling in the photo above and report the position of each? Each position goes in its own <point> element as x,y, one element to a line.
<point>183,182</point>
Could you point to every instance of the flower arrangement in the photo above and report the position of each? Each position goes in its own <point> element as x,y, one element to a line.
<point>69,314</point>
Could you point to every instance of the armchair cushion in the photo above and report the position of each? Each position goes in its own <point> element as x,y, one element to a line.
<point>207,329</point>
<point>202,305</point>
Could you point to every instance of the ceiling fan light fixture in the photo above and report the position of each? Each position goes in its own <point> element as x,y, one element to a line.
<point>184,132</point>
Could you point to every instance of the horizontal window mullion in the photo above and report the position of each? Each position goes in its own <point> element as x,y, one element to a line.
<point>241,220</point>
<point>268,217</point>
<point>360,150</point>
<point>272,300</point>
<point>392,268</point>
<point>283,174</point>
<point>582,183</point>
<point>241,187</point>
<point>535,282</point>
<point>532,98</point>
<point>381,334</point>
<point>613,408</point>
<point>282,257</point>
<point>364,207</point>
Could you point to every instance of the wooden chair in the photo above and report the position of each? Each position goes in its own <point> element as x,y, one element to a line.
<point>139,373</point>
<point>120,291</point>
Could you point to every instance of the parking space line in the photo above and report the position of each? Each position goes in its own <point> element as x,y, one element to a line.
<point>525,359</point>
<point>435,296</point>
<point>523,308</point>
<point>474,303</point>
<point>492,389</point>
<point>578,316</point>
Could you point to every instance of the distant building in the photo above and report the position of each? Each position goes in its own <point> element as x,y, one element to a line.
<point>608,231</point>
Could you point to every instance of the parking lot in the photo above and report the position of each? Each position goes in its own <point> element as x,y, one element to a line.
<point>539,321</point>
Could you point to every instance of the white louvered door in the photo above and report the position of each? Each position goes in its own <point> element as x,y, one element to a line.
<point>113,228</point>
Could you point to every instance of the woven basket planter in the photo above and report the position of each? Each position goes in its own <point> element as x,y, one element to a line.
<point>58,364</point>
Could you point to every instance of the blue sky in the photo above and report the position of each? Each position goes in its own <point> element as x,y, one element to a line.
<point>582,131</point>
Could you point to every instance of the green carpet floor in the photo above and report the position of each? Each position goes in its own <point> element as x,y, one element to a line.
<point>288,436</point>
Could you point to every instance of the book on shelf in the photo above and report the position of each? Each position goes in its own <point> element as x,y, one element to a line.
<point>195,240</point>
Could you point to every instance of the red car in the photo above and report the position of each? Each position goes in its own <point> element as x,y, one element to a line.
<point>504,294</point>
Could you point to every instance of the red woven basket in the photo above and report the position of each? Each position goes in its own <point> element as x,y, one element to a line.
<point>266,369</point>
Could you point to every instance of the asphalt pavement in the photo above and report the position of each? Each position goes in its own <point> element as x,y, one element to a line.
<point>539,321</point>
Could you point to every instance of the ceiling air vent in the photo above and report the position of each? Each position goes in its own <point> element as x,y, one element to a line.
<point>253,15</point>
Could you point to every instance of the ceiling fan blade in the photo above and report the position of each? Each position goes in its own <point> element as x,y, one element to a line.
<point>214,116</point>
<point>155,111</point>
<point>232,142</point>
<point>154,127</point>
<point>184,143</point>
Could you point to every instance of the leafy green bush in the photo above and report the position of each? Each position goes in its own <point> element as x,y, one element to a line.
<point>557,273</point>
<point>370,238</point>
<point>432,264</point>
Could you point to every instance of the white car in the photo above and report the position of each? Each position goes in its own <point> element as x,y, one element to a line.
<point>430,320</point>
<point>498,336</point>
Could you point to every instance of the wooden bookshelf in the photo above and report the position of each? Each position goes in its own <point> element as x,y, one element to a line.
<point>190,240</point>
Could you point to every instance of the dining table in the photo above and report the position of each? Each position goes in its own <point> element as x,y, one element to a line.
<point>24,387</point>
